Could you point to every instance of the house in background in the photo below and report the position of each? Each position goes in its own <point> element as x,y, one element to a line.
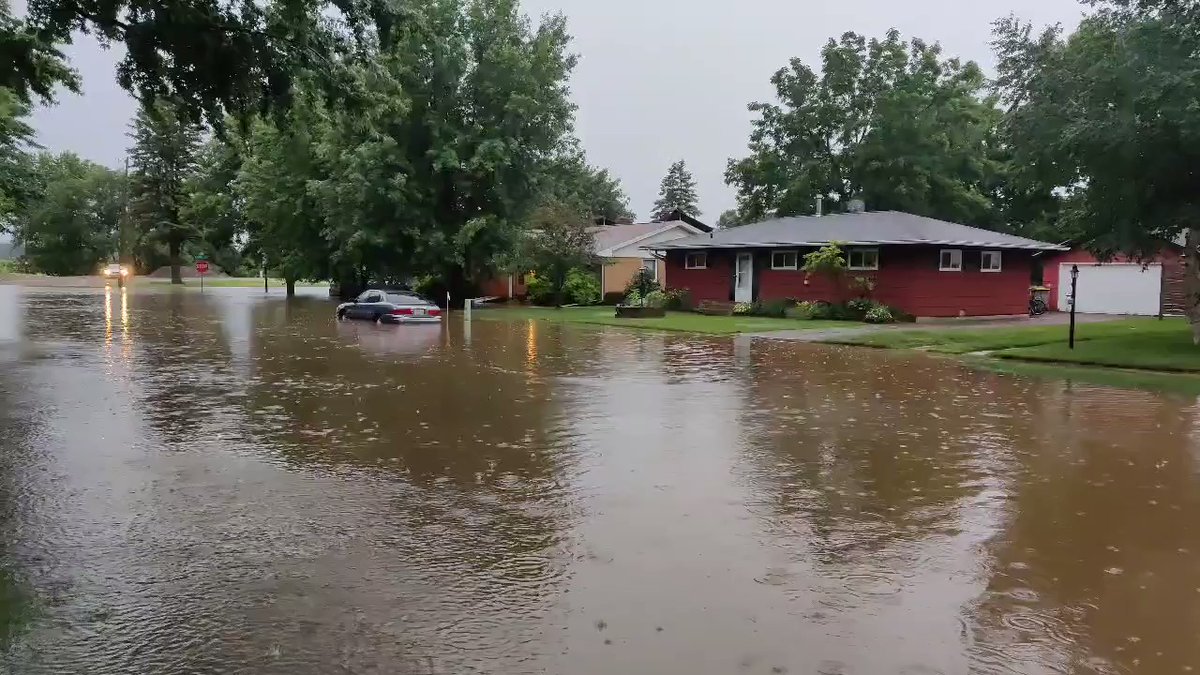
<point>623,252</point>
<point>924,266</point>
<point>1150,287</point>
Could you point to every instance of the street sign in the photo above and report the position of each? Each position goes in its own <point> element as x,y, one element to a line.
<point>201,267</point>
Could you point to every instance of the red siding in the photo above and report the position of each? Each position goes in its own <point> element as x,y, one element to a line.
<point>908,278</point>
<point>1172,260</point>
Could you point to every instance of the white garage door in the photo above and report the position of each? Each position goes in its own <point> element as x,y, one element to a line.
<point>1114,288</point>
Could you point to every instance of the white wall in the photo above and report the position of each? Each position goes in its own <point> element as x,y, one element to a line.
<point>634,251</point>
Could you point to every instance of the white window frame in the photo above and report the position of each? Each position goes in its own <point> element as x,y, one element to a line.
<point>652,265</point>
<point>687,261</point>
<point>999,261</point>
<point>862,268</point>
<point>955,256</point>
<point>795,264</point>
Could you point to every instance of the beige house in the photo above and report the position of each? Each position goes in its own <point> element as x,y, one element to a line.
<point>622,249</point>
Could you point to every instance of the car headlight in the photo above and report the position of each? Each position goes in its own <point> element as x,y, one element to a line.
<point>124,271</point>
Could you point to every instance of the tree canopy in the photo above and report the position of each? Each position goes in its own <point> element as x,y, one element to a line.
<point>886,120</point>
<point>677,191</point>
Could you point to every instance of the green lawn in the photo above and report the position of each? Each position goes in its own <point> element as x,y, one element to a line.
<point>1181,383</point>
<point>1150,350</point>
<point>953,340</point>
<point>685,322</point>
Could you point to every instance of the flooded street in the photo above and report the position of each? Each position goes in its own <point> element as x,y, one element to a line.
<point>226,483</point>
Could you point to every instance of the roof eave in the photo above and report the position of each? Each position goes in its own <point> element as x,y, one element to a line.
<point>1032,246</point>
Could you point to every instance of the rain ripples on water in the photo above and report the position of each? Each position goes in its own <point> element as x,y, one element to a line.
<point>230,483</point>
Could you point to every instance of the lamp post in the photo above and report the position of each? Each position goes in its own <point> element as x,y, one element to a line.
<point>1074,287</point>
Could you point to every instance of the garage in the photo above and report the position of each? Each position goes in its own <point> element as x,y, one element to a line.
<point>1113,288</point>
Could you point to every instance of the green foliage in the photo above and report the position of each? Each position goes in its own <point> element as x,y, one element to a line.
<point>772,308</point>
<point>743,309</point>
<point>559,241</point>
<point>643,282</point>
<point>886,120</point>
<point>863,284</point>
<point>540,291</point>
<point>677,191</point>
<point>16,166</point>
<point>827,261</point>
<point>161,161</point>
<point>211,207</point>
<point>633,297</point>
<point>569,179</point>
<point>656,299</point>
<point>730,218</point>
<point>678,299</point>
<point>30,65</point>
<point>582,287</point>
<point>71,228</point>
<point>805,311</point>
<point>878,314</point>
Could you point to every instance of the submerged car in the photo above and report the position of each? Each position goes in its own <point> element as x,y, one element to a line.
<point>390,307</point>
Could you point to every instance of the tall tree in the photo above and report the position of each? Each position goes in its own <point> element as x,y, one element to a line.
<point>1109,114</point>
<point>211,206</point>
<point>30,65</point>
<point>570,179</point>
<point>677,191</point>
<point>561,238</point>
<point>163,160</point>
<point>886,120</point>
<point>285,223</point>
<point>16,167</point>
<point>437,171</point>
<point>71,227</point>
<point>730,218</point>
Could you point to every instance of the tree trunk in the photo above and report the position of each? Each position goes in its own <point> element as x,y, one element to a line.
<point>291,287</point>
<point>1191,280</point>
<point>173,246</point>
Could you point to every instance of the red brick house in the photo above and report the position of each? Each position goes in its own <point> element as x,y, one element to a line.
<point>924,266</point>
<point>1152,286</point>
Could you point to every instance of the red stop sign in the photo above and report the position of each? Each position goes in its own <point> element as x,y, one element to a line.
<point>201,267</point>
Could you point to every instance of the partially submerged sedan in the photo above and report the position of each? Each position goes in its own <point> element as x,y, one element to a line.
<point>390,307</point>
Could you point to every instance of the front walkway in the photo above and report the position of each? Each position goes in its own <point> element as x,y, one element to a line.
<point>854,330</point>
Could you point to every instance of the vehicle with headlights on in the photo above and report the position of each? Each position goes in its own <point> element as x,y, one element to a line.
<point>115,272</point>
<point>390,306</point>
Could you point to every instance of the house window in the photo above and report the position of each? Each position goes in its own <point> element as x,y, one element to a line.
<point>695,261</point>
<point>951,260</point>
<point>784,260</point>
<point>863,259</point>
<point>651,266</point>
<point>989,261</point>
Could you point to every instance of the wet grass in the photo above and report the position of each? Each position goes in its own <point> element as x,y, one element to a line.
<point>952,340</point>
<point>684,322</point>
<point>1109,377</point>
<point>1165,350</point>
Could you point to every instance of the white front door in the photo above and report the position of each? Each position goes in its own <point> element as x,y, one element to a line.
<point>1113,288</point>
<point>743,278</point>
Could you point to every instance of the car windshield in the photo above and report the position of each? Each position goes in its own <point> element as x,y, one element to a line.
<point>407,299</point>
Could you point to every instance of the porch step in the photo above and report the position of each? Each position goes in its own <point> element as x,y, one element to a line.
<point>715,307</point>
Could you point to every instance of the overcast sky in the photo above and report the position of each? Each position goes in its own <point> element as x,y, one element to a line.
<point>658,80</point>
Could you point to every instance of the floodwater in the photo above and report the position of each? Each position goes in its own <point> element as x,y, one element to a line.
<point>225,483</point>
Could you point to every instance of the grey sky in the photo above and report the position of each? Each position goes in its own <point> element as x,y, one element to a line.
<point>658,80</point>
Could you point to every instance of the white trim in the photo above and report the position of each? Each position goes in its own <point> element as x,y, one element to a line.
<point>794,266</point>
<point>702,266</point>
<point>955,253</point>
<point>999,261</point>
<point>862,268</point>
<point>681,243</point>
<point>653,268</point>
<point>667,226</point>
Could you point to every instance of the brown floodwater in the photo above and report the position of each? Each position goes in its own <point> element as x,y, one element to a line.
<point>227,483</point>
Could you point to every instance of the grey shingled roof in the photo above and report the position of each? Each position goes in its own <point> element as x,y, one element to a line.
<point>871,228</point>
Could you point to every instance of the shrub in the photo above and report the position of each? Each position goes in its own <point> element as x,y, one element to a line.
<point>901,316</point>
<point>679,299</point>
<point>582,287</point>
<point>773,308</point>
<point>805,311</point>
<point>539,291</point>
<point>743,308</point>
<point>643,282</point>
<point>879,314</point>
<point>655,299</point>
<point>633,298</point>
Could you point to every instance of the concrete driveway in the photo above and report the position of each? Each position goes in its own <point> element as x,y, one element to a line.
<point>976,323</point>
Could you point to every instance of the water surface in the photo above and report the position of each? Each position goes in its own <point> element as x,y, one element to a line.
<point>227,483</point>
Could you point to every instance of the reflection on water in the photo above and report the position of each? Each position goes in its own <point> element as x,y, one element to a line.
<point>233,483</point>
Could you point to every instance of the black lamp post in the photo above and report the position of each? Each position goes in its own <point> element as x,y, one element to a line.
<point>1074,286</point>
